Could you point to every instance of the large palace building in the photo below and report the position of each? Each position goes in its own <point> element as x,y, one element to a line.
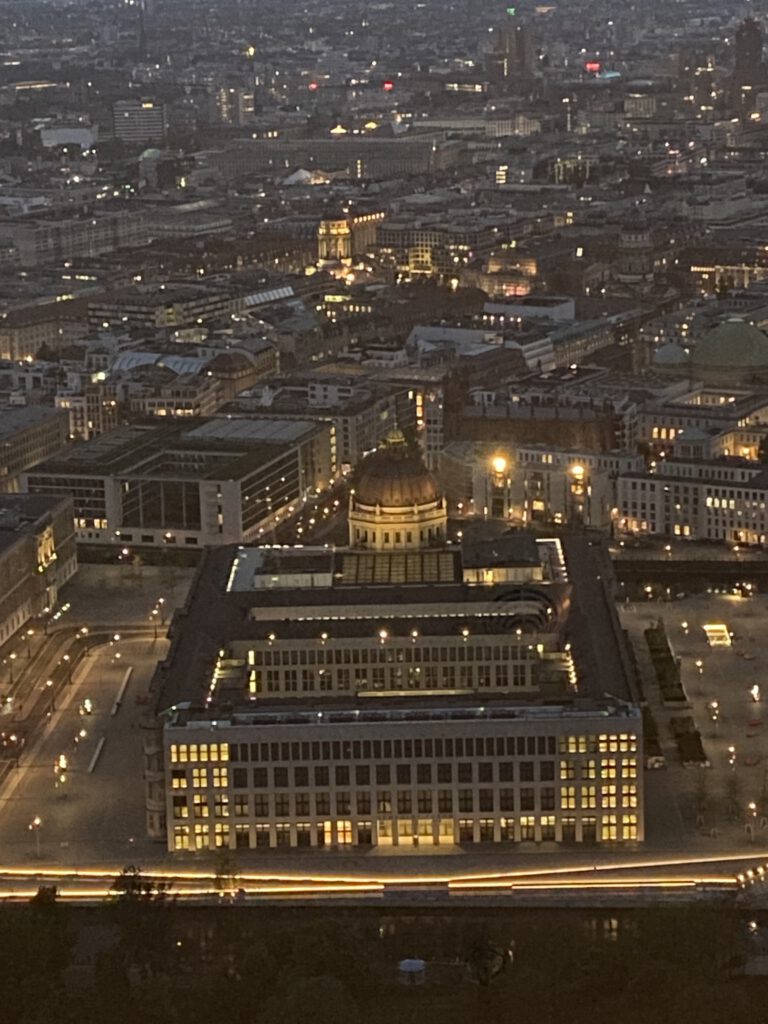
<point>402,691</point>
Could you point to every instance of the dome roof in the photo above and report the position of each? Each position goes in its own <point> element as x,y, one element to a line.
<point>670,354</point>
<point>395,477</point>
<point>733,343</point>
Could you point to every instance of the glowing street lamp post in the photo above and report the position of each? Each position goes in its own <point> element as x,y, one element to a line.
<point>34,826</point>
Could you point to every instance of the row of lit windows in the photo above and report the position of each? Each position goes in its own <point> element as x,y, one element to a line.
<point>612,828</point>
<point>604,743</point>
<point>605,768</point>
<point>181,753</point>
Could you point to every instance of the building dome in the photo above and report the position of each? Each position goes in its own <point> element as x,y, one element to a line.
<point>394,477</point>
<point>396,503</point>
<point>733,345</point>
<point>670,354</point>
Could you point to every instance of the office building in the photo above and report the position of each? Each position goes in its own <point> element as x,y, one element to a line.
<point>211,482</point>
<point>28,435</point>
<point>139,121</point>
<point>37,557</point>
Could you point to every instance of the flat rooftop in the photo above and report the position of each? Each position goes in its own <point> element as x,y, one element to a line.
<point>185,717</point>
<point>225,608</point>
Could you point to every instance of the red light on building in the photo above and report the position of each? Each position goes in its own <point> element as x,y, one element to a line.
<point>388,86</point>
<point>312,86</point>
<point>593,67</point>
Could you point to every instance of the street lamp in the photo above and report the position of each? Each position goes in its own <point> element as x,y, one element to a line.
<point>49,685</point>
<point>34,826</point>
<point>68,663</point>
<point>29,635</point>
<point>161,606</point>
<point>12,658</point>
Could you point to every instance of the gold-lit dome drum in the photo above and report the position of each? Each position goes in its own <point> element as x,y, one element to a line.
<point>396,503</point>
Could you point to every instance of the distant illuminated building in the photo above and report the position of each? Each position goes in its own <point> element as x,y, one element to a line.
<point>139,121</point>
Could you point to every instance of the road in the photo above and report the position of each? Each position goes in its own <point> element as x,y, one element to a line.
<point>99,810</point>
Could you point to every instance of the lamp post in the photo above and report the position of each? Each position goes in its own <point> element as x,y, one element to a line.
<point>12,658</point>
<point>68,665</point>
<point>161,606</point>
<point>29,634</point>
<point>49,686</point>
<point>34,826</point>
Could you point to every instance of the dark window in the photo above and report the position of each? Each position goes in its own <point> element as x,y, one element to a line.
<point>322,803</point>
<point>342,775</point>
<point>547,771</point>
<point>240,778</point>
<point>547,796</point>
<point>507,771</point>
<point>527,800</point>
<point>424,773</point>
<point>465,800</point>
<point>403,774</point>
<point>382,774</point>
<point>362,775</point>
<point>444,773</point>
<point>506,799</point>
<point>281,777</point>
<point>465,772</point>
<point>322,776</point>
<point>526,771</point>
<point>301,776</point>
<point>260,778</point>
<point>485,772</point>
<point>282,805</point>
<point>485,799</point>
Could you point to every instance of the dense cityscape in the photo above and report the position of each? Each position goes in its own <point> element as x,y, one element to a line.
<point>383,483</point>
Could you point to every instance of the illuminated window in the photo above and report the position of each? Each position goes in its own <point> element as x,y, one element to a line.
<point>199,777</point>
<point>573,744</point>
<point>589,770</point>
<point>629,795</point>
<point>221,835</point>
<point>629,826</point>
<point>221,776</point>
<point>180,807</point>
<point>179,753</point>
<point>221,805</point>
<point>200,805</point>
<point>568,798</point>
<point>178,779</point>
<point>588,797</point>
<point>608,796</point>
<point>629,768</point>
<point>609,831</point>
<point>627,742</point>
<point>608,768</point>
<point>181,837</point>
<point>567,770</point>
<point>547,827</point>
<point>527,827</point>
<point>201,837</point>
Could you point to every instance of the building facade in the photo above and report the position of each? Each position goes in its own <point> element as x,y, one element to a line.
<point>37,557</point>
<point>428,777</point>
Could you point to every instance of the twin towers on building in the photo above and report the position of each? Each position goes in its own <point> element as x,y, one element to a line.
<point>395,502</point>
